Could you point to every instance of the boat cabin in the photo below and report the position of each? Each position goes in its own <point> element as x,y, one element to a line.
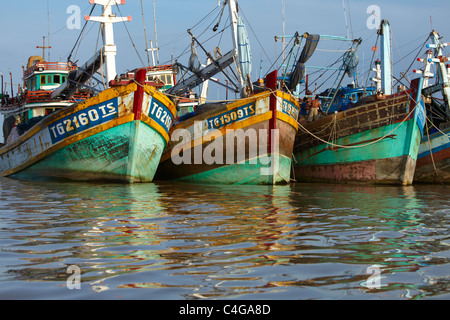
<point>344,97</point>
<point>34,101</point>
<point>161,77</point>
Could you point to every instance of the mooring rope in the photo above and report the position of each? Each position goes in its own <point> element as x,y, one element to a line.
<point>272,92</point>
<point>436,170</point>
<point>364,145</point>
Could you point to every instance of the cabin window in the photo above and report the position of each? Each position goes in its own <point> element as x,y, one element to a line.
<point>63,79</point>
<point>49,79</point>
<point>43,79</point>
<point>57,79</point>
<point>168,79</point>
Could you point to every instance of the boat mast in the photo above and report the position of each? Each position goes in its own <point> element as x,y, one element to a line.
<point>43,47</point>
<point>107,20</point>
<point>426,72</point>
<point>156,34</point>
<point>377,78</point>
<point>234,33</point>
<point>440,60</point>
<point>386,68</point>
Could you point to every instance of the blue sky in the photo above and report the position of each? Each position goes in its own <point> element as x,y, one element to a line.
<point>24,23</point>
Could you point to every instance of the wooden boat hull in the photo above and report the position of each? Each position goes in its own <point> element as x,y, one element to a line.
<point>433,163</point>
<point>376,143</point>
<point>118,135</point>
<point>258,132</point>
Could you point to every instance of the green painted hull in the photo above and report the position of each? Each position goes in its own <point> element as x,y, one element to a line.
<point>403,143</point>
<point>261,170</point>
<point>129,152</point>
<point>369,159</point>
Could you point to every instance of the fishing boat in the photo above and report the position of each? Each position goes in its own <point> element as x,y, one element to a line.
<point>433,162</point>
<point>244,141</point>
<point>376,140</point>
<point>117,134</point>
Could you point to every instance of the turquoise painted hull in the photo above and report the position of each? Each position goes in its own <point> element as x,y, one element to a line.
<point>118,135</point>
<point>374,142</point>
<point>402,144</point>
<point>390,160</point>
<point>260,171</point>
<point>129,152</point>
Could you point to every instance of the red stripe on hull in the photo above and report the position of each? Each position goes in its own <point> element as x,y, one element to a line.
<point>139,94</point>
<point>434,169</point>
<point>385,171</point>
<point>271,82</point>
<point>436,157</point>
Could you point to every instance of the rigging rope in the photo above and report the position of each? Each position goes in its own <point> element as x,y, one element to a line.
<point>414,60</point>
<point>131,39</point>
<point>363,145</point>
<point>436,170</point>
<point>79,36</point>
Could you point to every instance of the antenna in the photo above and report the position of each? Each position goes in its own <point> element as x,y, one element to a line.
<point>345,17</point>
<point>156,33</point>
<point>284,27</point>
<point>48,25</point>
<point>145,34</point>
<point>43,47</point>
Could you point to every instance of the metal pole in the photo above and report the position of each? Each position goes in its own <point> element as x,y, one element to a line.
<point>12,93</point>
<point>3,95</point>
<point>386,60</point>
<point>156,33</point>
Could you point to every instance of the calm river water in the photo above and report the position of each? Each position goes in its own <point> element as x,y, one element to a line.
<point>171,241</point>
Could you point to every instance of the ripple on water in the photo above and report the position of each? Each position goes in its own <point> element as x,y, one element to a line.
<point>178,241</point>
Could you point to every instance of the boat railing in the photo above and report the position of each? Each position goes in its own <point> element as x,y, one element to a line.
<point>43,66</point>
<point>46,96</point>
<point>79,96</point>
<point>40,96</point>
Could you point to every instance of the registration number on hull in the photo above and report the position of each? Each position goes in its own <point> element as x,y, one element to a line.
<point>83,120</point>
<point>231,116</point>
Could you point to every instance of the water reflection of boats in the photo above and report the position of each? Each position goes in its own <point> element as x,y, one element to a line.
<point>87,225</point>
<point>218,241</point>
